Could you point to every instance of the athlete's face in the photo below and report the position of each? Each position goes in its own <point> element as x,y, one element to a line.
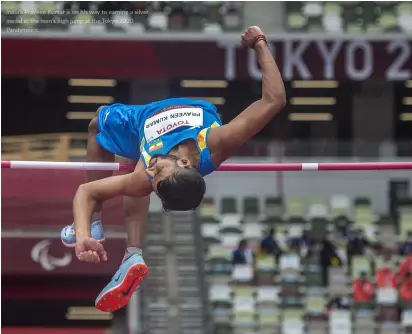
<point>162,166</point>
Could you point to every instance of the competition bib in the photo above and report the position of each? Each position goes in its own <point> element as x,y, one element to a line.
<point>167,121</point>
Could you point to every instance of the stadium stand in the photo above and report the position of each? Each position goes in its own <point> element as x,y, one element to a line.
<point>349,16</point>
<point>123,16</point>
<point>209,16</point>
<point>292,295</point>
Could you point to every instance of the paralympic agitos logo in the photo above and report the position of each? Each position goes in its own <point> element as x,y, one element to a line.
<point>40,254</point>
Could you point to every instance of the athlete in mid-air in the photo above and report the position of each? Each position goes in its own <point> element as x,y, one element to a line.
<point>175,142</point>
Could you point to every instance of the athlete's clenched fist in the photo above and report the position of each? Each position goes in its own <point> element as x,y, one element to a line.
<point>252,36</point>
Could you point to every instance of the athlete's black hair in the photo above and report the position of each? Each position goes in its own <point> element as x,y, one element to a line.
<point>182,191</point>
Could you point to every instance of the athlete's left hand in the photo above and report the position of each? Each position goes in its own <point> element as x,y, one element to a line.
<point>90,250</point>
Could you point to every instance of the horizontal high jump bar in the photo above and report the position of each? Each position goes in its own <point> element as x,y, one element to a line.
<point>270,167</point>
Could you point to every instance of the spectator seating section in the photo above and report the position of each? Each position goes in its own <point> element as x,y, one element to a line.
<point>349,16</point>
<point>288,296</point>
<point>124,16</point>
<point>209,16</point>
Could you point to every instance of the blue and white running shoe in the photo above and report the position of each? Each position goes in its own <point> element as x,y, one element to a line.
<point>68,234</point>
<point>127,279</point>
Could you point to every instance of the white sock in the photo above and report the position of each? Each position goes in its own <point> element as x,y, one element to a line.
<point>97,216</point>
<point>132,251</point>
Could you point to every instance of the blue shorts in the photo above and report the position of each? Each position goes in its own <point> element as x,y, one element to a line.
<point>117,132</point>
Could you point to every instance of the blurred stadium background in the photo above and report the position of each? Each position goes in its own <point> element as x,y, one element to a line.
<point>347,69</point>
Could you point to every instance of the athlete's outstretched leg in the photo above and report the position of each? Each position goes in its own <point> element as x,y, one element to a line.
<point>95,153</point>
<point>133,270</point>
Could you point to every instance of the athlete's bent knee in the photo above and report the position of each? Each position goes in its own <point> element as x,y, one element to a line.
<point>93,125</point>
<point>98,110</point>
<point>93,128</point>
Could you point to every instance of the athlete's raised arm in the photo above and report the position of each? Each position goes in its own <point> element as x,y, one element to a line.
<point>135,184</point>
<point>226,139</point>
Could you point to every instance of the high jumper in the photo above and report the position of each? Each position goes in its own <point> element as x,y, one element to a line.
<point>175,143</point>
